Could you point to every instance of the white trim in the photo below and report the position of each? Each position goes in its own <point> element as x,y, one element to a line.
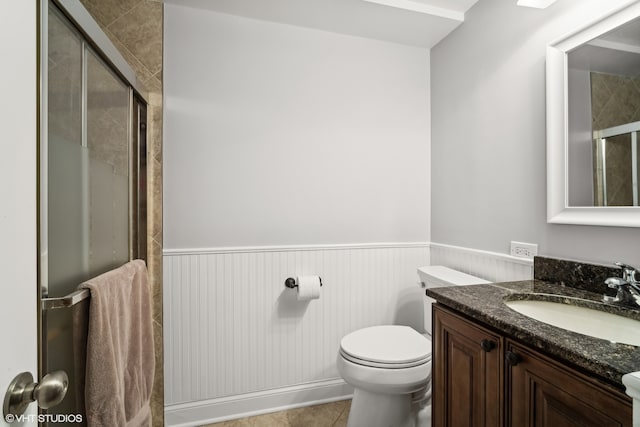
<point>595,28</point>
<point>495,255</point>
<point>257,403</point>
<point>339,246</point>
<point>613,216</point>
<point>558,209</point>
<point>289,248</point>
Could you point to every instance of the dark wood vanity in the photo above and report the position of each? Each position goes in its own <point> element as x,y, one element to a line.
<point>493,366</point>
<point>482,377</point>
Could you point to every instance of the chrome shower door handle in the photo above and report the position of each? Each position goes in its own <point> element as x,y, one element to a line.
<point>23,390</point>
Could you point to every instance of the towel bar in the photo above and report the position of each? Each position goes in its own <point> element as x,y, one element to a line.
<point>67,301</point>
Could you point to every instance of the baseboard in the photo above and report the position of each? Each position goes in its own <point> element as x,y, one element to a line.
<point>250,404</point>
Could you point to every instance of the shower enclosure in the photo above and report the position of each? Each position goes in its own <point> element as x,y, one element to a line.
<point>616,165</point>
<point>92,160</point>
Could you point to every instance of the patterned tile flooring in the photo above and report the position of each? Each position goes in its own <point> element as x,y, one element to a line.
<point>327,415</point>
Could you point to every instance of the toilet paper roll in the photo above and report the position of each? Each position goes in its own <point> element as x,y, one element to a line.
<point>308,287</point>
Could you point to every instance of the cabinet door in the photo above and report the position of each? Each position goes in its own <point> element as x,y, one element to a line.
<point>540,392</point>
<point>467,374</point>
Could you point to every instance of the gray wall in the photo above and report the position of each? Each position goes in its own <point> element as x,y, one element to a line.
<point>280,135</point>
<point>488,134</point>
<point>580,173</point>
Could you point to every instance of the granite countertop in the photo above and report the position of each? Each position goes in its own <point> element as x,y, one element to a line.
<point>598,357</point>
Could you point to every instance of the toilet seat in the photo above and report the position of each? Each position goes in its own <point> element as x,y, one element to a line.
<point>372,364</point>
<point>387,347</point>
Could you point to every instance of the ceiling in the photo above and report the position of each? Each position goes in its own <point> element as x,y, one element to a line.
<point>615,52</point>
<point>627,34</point>
<point>421,23</point>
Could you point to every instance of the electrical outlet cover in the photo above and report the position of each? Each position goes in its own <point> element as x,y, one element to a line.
<point>524,250</point>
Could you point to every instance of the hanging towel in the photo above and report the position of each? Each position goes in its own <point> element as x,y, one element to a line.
<point>120,352</point>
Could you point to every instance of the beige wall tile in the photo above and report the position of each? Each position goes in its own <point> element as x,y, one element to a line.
<point>107,11</point>
<point>140,31</point>
<point>157,396</point>
<point>153,84</point>
<point>141,71</point>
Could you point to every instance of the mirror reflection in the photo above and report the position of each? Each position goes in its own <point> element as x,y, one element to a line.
<point>603,82</point>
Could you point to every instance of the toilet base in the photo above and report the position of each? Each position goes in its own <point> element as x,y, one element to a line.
<point>387,410</point>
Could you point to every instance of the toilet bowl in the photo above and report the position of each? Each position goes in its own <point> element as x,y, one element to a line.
<point>386,365</point>
<point>389,366</point>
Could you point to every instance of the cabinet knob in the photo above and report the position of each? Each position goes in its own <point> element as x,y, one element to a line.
<point>512,358</point>
<point>487,345</point>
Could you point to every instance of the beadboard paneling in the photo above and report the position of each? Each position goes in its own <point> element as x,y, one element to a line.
<point>231,327</point>
<point>492,266</point>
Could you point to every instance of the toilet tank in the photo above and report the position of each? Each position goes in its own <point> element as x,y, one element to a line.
<point>437,276</point>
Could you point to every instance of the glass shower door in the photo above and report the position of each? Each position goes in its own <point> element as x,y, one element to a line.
<point>88,162</point>
<point>65,157</point>
<point>61,239</point>
<point>107,147</point>
<point>88,173</point>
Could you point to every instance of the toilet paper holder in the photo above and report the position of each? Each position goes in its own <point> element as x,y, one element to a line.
<point>291,282</point>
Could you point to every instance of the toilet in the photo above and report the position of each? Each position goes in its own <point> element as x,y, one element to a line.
<point>389,366</point>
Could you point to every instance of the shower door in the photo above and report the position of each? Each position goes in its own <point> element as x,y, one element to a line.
<point>92,155</point>
<point>617,166</point>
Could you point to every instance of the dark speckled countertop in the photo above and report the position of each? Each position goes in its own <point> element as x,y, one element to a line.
<point>598,357</point>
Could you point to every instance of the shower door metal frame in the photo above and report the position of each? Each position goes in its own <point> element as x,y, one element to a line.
<point>94,40</point>
<point>600,136</point>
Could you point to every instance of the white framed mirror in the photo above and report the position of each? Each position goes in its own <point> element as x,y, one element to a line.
<point>593,123</point>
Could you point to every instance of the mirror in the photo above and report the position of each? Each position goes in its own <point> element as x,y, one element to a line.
<point>593,123</point>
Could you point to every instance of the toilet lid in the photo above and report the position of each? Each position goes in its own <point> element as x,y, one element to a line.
<point>387,345</point>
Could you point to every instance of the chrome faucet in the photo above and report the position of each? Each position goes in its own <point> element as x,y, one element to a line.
<point>628,287</point>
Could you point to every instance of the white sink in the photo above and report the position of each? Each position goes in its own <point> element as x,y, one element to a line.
<point>582,320</point>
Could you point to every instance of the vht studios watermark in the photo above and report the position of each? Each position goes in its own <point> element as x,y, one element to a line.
<point>44,418</point>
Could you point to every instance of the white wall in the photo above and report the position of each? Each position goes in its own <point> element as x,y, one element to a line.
<point>276,134</point>
<point>488,137</point>
<point>310,151</point>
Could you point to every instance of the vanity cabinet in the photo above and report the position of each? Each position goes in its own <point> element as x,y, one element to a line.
<point>481,378</point>
<point>467,373</point>
<point>543,392</point>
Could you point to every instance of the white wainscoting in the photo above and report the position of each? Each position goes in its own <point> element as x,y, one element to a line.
<point>237,342</point>
<point>492,266</point>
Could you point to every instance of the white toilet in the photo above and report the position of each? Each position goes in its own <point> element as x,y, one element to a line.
<point>389,366</point>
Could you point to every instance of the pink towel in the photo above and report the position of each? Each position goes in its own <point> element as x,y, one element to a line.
<point>120,352</point>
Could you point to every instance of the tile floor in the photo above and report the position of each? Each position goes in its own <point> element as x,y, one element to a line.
<point>327,415</point>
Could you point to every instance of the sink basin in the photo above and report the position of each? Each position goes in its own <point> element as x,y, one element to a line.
<point>583,320</point>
